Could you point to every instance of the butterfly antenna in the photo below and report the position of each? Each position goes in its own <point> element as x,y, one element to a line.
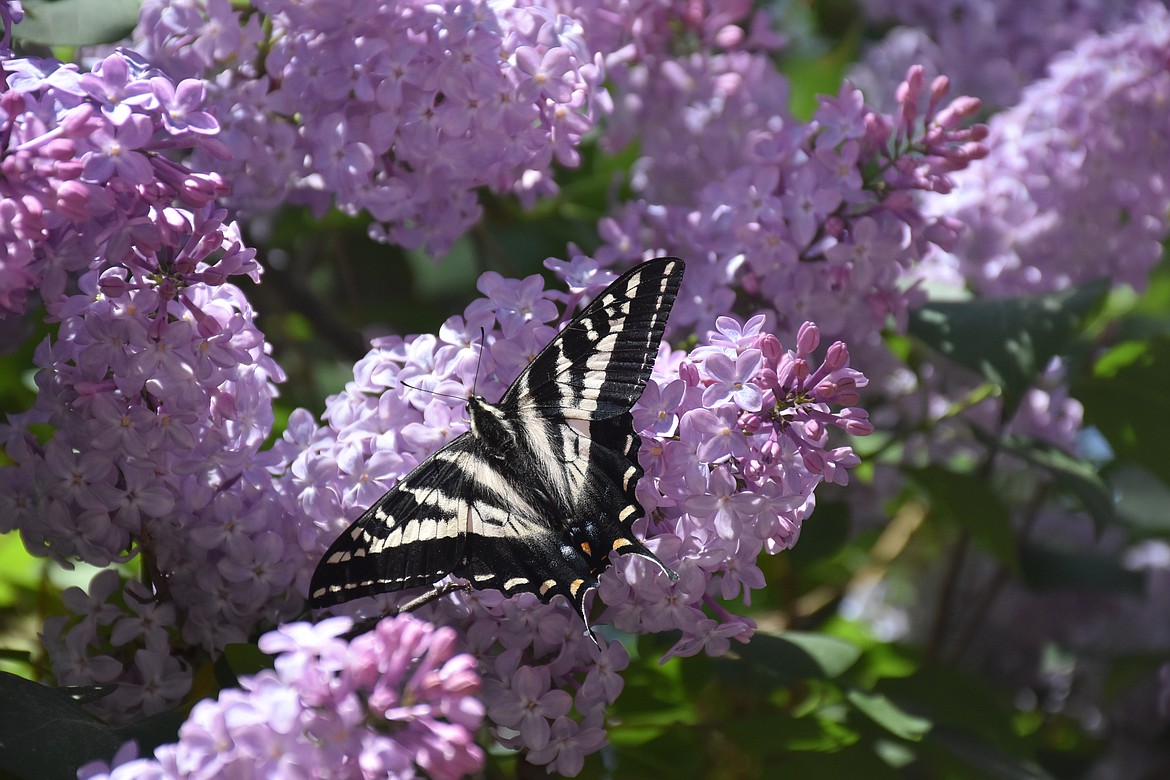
<point>404,383</point>
<point>478,360</point>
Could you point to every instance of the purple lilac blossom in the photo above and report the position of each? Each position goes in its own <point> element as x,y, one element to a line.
<point>800,220</point>
<point>414,104</point>
<point>990,48</point>
<point>1075,187</point>
<point>158,388</point>
<point>84,170</point>
<point>723,485</point>
<point>399,109</point>
<point>155,386</point>
<point>395,702</point>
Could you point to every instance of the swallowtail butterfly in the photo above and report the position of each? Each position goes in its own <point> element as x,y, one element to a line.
<point>539,492</point>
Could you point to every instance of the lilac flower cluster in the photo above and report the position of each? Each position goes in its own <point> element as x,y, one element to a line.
<point>400,109</point>
<point>85,171</point>
<point>394,702</point>
<point>630,33</point>
<point>736,444</point>
<point>989,48</point>
<point>1075,187</point>
<point>803,219</point>
<point>735,441</point>
<point>155,390</point>
<point>413,105</point>
<point>158,390</point>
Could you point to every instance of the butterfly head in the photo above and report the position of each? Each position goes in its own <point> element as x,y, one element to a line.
<point>491,425</point>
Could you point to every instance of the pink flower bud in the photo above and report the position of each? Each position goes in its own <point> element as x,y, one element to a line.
<point>113,285</point>
<point>939,88</point>
<point>807,338</point>
<point>729,37</point>
<point>73,200</point>
<point>59,149</point>
<point>837,357</point>
<point>959,109</point>
<point>773,350</point>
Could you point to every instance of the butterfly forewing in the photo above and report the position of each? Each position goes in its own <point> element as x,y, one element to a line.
<point>598,366</point>
<point>539,493</point>
<point>412,536</point>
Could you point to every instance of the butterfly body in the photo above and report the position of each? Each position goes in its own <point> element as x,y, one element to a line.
<point>538,493</point>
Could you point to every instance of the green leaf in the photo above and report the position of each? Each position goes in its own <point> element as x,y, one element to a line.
<point>973,505</point>
<point>972,736</point>
<point>1078,477</point>
<point>1009,341</point>
<point>824,535</point>
<point>889,716</point>
<point>859,760</point>
<point>246,658</point>
<point>20,570</point>
<point>663,756</point>
<point>45,732</point>
<point>1048,568</point>
<point>774,733</point>
<point>77,22</point>
<point>1142,499</point>
<point>770,661</point>
<point>1126,401</point>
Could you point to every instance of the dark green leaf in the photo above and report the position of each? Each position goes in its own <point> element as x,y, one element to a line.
<point>1126,401</point>
<point>889,716</point>
<point>674,753</point>
<point>1048,568</point>
<point>859,760</point>
<point>771,661</point>
<point>823,535</point>
<point>77,22</point>
<point>772,733</point>
<point>948,696</point>
<point>46,733</point>
<point>1009,341</point>
<point>1143,500</point>
<point>972,504</point>
<point>246,658</point>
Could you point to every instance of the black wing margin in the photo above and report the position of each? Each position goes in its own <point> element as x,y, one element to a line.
<point>410,537</point>
<point>597,367</point>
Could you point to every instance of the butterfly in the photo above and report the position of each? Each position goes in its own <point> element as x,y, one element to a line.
<point>538,493</point>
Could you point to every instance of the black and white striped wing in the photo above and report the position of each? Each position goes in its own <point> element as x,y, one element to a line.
<point>540,491</point>
<point>412,536</point>
<point>597,366</point>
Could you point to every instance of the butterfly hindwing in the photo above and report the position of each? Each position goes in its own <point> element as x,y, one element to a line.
<point>541,490</point>
<point>533,541</point>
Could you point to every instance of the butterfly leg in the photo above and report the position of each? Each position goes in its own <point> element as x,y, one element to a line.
<point>365,625</point>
